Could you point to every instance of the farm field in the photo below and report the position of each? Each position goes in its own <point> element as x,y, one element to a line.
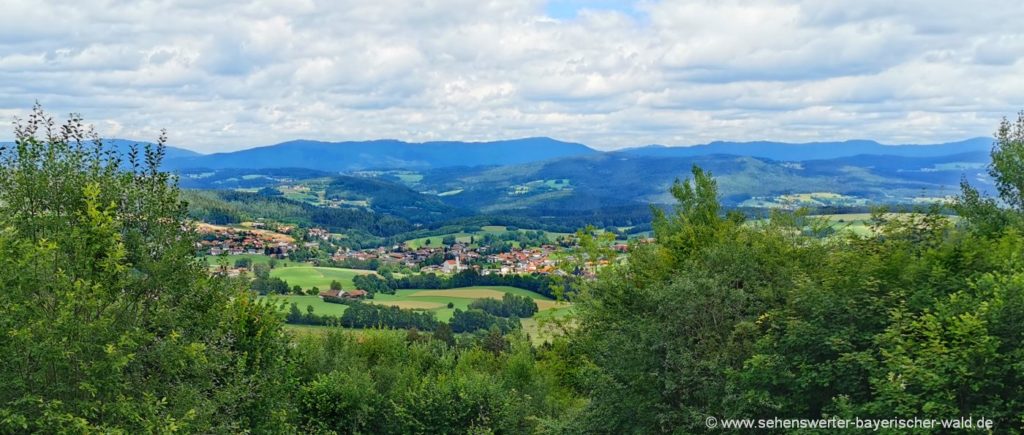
<point>436,301</point>
<point>215,260</point>
<point>308,277</point>
<point>246,226</point>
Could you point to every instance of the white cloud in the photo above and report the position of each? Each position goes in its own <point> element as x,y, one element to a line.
<point>234,74</point>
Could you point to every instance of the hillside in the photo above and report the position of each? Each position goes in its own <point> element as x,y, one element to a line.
<point>621,179</point>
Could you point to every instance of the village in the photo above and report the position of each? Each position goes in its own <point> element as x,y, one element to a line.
<point>253,239</point>
<point>460,257</point>
<point>285,241</point>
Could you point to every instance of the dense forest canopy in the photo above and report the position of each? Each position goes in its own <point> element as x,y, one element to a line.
<point>109,323</point>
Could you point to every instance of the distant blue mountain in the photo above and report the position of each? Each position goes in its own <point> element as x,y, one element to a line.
<point>814,150</point>
<point>385,154</point>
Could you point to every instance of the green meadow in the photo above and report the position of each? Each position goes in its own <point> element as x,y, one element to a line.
<point>308,277</point>
<point>435,301</point>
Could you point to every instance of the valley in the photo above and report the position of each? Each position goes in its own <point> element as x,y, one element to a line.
<point>555,280</point>
<point>483,231</point>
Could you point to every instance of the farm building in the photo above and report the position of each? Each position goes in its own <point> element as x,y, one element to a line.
<point>347,294</point>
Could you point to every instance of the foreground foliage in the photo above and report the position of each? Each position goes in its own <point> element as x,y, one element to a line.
<point>390,382</point>
<point>107,321</point>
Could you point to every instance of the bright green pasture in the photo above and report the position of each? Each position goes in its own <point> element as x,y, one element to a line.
<point>309,276</point>
<point>435,301</point>
<point>460,298</point>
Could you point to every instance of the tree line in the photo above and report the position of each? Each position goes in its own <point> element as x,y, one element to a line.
<point>476,319</point>
<point>510,305</point>
<point>537,283</point>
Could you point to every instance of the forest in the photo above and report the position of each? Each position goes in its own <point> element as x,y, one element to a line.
<point>109,323</point>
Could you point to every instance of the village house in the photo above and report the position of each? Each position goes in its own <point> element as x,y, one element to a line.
<point>430,269</point>
<point>343,294</point>
<point>318,233</point>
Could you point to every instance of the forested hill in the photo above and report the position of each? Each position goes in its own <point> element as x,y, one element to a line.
<point>618,179</point>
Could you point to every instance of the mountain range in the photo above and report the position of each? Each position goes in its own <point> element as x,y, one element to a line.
<point>394,154</point>
<point>389,154</point>
<point>543,177</point>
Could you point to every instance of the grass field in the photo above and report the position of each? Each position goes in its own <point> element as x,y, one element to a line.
<point>308,276</point>
<point>540,328</point>
<point>409,305</point>
<point>410,177</point>
<point>319,306</point>
<point>435,301</point>
<point>215,260</point>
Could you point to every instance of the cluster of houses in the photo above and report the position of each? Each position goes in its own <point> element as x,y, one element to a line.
<point>220,240</point>
<point>318,233</point>
<point>536,260</point>
<point>257,238</point>
<point>460,257</point>
<point>395,254</point>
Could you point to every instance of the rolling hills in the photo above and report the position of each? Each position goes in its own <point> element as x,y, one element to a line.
<point>621,179</point>
<point>386,188</point>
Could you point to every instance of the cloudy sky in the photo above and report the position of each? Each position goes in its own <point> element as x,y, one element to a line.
<point>226,75</point>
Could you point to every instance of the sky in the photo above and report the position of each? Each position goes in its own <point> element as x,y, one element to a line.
<point>227,75</point>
